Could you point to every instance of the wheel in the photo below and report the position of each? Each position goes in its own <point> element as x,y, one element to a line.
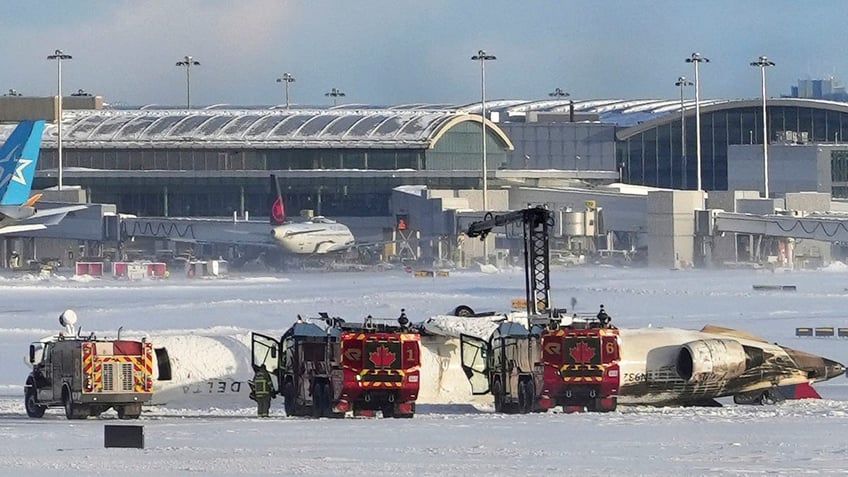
<point>288,399</point>
<point>33,409</point>
<point>497,392</point>
<point>73,410</point>
<point>406,416</point>
<point>463,310</point>
<point>130,411</point>
<point>326,400</point>
<point>602,404</point>
<point>320,400</point>
<point>525,396</point>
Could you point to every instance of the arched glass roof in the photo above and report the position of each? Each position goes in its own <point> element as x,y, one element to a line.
<point>353,126</point>
<point>412,126</point>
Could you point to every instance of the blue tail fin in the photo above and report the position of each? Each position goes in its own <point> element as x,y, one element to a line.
<point>18,157</point>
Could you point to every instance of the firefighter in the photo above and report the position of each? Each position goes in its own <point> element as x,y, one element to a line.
<point>604,318</point>
<point>262,391</point>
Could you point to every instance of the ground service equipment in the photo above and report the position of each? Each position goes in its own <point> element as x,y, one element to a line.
<point>326,367</point>
<point>87,376</point>
<point>555,360</point>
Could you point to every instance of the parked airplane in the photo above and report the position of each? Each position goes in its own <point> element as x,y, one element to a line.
<point>318,235</point>
<point>18,158</point>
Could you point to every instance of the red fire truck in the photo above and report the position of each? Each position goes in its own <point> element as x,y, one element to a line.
<point>549,359</point>
<point>580,366</point>
<point>326,367</point>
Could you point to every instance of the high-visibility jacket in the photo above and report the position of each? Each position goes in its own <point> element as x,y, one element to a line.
<point>262,384</point>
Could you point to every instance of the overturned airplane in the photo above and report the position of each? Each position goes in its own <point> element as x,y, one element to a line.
<point>579,356</point>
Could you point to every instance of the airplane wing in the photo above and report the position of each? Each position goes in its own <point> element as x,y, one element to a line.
<point>14,229</point>
<point>53,216</point>
<point>720,330</point>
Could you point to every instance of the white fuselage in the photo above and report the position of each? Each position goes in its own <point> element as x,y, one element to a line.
<point>317,236</point>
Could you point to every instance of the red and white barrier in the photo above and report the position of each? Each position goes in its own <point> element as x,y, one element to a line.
<point>94,269</point>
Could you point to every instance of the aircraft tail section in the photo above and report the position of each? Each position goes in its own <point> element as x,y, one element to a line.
<point>278,211</point>
<point>18,158</point>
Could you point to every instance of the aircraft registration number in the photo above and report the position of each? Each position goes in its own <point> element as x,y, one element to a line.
<point>635,377</point>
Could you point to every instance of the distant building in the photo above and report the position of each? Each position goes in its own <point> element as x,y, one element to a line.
<point>819,89</point>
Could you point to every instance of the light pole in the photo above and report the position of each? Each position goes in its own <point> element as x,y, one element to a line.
<point>335,93</point>
<point>286,78</point>
<point>188,62</point>
<point>682,83</point>
<point>763,62</point>
<point>58,55</point>
<point>558,93</point>
<point>482,57</point>
<point>696,59</point>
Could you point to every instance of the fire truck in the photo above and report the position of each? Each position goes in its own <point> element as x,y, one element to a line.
<point>544,358</point>
<point>326,367</point>
<point>87,376</point>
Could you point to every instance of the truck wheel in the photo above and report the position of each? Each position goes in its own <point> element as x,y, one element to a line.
<point>497,393</point>
<point>33,409</point>
<point>525,396</point>
<point>319,398</point>
<point>288,399</point>
<point>602,404</point>
<point>73,410</point>
<point>130,411</point>
<point>326,400</point>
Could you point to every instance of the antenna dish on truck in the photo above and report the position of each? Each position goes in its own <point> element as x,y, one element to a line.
<point>68,319</point>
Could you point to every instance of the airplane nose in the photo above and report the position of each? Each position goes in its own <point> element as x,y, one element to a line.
<point>817,368</point>
<point>833,369</point>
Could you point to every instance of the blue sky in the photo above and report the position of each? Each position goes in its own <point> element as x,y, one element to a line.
<point>393,51</point>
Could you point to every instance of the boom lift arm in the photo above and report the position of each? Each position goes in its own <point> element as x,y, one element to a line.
<point>537,223</point>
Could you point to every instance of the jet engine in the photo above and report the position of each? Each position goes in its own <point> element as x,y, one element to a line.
<point>711,360</point>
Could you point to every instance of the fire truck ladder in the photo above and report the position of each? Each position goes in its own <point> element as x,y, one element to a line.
<point>537,225</point>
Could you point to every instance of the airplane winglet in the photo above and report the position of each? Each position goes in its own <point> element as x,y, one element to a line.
<point>32,200</point>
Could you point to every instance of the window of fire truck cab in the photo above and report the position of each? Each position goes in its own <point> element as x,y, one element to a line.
<point>285,359</point>
<point>36,352</point>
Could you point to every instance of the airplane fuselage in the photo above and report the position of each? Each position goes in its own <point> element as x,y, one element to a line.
<point>717,365</point>
<point>317,236</point>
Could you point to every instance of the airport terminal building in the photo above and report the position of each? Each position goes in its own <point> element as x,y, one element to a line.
<point>213,162</point>
<point>346,162</point>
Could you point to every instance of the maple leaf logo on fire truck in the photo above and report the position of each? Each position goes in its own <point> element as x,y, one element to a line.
<point>582,353</point>
<point>382,357</point>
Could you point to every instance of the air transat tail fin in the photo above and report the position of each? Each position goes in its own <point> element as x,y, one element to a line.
<point>18,158</point>
<point>278,211</point>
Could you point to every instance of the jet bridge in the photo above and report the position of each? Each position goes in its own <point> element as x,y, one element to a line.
<point>197,230</point>
<point>823,227</point>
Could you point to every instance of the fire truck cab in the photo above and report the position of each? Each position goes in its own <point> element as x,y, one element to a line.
<point>581,358</point>
<point>507,365</point>
<point>326,367</point>
<point>87,376</point>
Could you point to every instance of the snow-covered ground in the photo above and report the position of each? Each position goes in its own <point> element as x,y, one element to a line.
<point>223,438</point>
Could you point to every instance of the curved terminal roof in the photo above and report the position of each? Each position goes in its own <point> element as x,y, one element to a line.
<point>709,107</point>
<point>620,112</point>
<point>342,128</point>
<point>404,126</point>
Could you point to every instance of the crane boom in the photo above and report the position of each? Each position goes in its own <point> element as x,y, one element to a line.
<point>537,222</point>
